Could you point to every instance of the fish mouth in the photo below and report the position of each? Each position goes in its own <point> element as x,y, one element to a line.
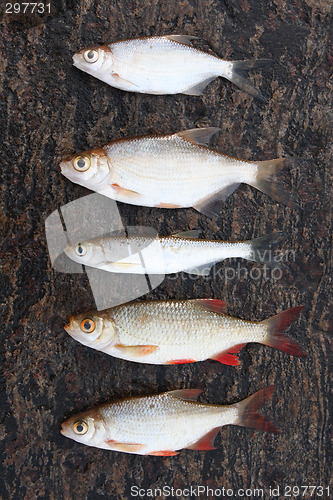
<point>62,167</point>
<point>62,429</point>
<point>75,59</point>
<point>68,327</point>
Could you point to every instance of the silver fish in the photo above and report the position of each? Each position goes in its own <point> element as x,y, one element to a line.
<point>162,65</point>
<point>172,171</point>
<point>170,254</point>
<point>159,425</point>
<point>179,331</point>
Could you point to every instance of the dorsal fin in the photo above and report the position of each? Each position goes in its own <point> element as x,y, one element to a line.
<point>215,305</point>
<point>186,394</point>
<point>185,39</point>
<point>199,136</point>
<point>187,234</point>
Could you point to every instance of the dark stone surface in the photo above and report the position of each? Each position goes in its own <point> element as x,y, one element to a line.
<point>49,109</point>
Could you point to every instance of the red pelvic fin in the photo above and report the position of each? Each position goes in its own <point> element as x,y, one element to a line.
<point>206,442</point>
<point>230,356</point>
<point>215,305</point>
<point>165,453</point>
<point>279,340</point>
<point>180,361</point>
<point>248,416</point>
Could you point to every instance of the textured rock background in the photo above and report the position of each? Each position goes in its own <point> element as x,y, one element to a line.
<point>49,109</point>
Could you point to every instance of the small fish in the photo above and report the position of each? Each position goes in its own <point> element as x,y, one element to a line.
<point>163,65</point>
<point>172,171</point>
<point>169,254</point>
<point>159,425</point>
<point>179,331</point>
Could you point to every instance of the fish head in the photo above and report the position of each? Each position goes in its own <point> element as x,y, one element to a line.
<point>86,428</point>
<point>89,253</point>
<point>90,168</point>
<point>97,331</point>
<point>95,61</point>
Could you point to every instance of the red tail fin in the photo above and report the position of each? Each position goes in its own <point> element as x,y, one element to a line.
<point>279,340</point>
<point>248,416</point>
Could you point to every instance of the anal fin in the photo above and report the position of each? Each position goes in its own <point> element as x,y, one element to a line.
<point>206,442</point>
<point>203,270</point>
<point>230,356</point>
<point>211,206</point>
<point>198,88</point>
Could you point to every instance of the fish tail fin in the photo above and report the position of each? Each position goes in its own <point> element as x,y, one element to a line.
<point>238,78</point>
<point>268,181</point>
<point>275,336</point>
<point>261,249</point>
<point>247,411</point>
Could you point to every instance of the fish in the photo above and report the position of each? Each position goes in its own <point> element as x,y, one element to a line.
<point>163,65</point>
<point>161,424</point>
<point>172,332</point>
<point>173,171</point>
<point>183,251</point>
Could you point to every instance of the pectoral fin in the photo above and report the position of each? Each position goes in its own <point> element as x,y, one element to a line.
<point>136,350</point>
<point>126,447</point>
<point>125,192</point>
<point>121,81</point>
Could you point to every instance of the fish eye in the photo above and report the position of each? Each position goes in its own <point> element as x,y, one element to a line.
<point>81,163</point>
<point>80,427</point>
<point>80,250</point>
<point>88,325</point>
<point>91,56</point>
